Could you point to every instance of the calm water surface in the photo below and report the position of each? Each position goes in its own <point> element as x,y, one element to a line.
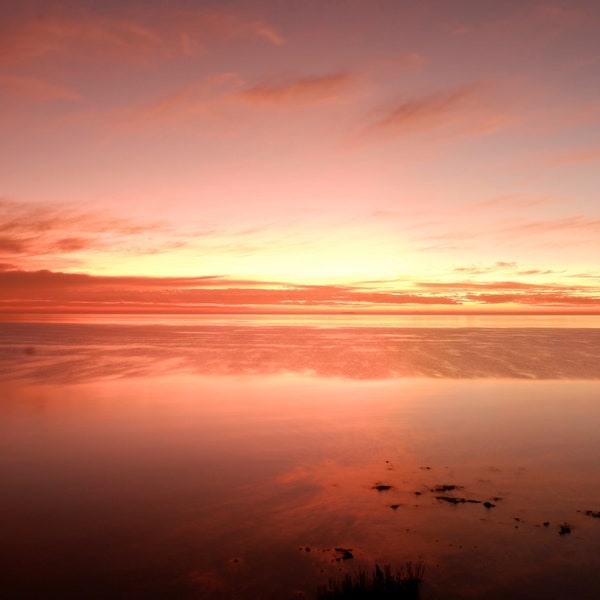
<point>202,460</point>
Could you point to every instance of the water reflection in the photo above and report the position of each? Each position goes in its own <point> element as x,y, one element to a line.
<point>68,352</point>
<point>213,487</point>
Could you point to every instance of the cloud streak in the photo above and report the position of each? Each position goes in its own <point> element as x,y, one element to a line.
<point>130,34</point>
<point>76,292</point>
<point>302,89</point>
<point>29,230</point>
<point>33,89</point>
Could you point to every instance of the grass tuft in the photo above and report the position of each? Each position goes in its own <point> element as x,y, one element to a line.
<point>402,584</point>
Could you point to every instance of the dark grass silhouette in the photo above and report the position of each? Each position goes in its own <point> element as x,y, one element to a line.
<point>402,584</point>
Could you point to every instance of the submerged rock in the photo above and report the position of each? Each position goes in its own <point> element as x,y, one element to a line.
<point>454,500</point>
<point>565,528</point>
<point>446,488</point>
<point>449,499</point>
<point>345,554</point>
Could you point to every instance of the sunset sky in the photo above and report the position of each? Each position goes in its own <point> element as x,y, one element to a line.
<point>277,155</point>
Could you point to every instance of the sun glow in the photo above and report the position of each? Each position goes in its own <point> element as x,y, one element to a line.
<point>180,147</point>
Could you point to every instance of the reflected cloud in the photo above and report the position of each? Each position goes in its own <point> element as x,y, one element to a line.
<point>79,352</point>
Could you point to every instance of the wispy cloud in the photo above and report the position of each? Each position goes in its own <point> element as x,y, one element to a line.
<point>194,293</point>
<point>33,89</point>
<point>128,34</point>
<point>205,100</point>
<point>468,109</point>
<point>423,112</point>
<point>22,290</point>
<point>481,270</point>
<point>558,13</point>
<point>585,155</point>
<point>214,103</point>
<point>29,230</point>
<point>581,223</point>
<point>321,87</point>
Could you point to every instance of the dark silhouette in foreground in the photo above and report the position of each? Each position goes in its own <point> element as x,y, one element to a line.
<point>403,584</point>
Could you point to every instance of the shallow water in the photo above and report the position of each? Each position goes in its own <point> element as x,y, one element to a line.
<point>201,461</point>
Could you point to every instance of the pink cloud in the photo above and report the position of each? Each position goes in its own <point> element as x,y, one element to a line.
<point>215,101</point>
<point>129,34</point>
<point>29,230</point>
<point>542,226</point>
<point>425,111</point>
<point>33,89</point>
<point>586,155</point>
<point>75,291</point>
<point>207,100</point>
<point>559,13</point>
<point>323,87</point>
<point>480,270</point>
<point>47,290</point>
<point>497,285</point>
<point>466,110</point>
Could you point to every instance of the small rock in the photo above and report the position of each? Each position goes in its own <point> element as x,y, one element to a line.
<point>380,487</point>
<point>445,488</point>
<point>449,499</point>
<point>489,505</point>
<point>394,506</point>
<point>564,529</point>
<point>307,549</point>
<point>346,553</point>
<point>546,523</point>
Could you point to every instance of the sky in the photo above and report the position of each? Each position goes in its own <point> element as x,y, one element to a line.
<point>272,155</point>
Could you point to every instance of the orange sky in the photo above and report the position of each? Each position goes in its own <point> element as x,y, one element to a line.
<point>272,155</point>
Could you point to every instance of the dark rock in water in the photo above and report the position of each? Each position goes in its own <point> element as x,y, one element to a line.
<point>546,523</point>
<point>489,505</point>
<point>394,506</point>
<point>564,529</point>
<point>417,493</point>
<point>449,499</point>
<point>453,500</point>
<point>345,553</point>
<point>591,513</point>
<point>426,468</point>
<point>380,487</point>
<point>446,488</point>
<point>307,549</point>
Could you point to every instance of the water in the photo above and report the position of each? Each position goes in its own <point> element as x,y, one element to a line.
<point>201,459</point>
